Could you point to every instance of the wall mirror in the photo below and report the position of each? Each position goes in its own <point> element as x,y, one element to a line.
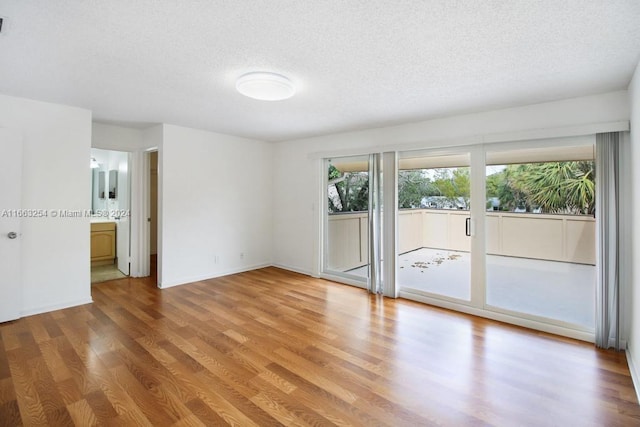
<point>113,184</point>
<point>101,183</point>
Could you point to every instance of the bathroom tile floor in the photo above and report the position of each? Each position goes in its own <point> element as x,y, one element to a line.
<point>105,272</point>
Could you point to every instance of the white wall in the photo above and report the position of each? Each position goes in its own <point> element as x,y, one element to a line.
<point>297,166</point>
<point>118,138</point>
<point>56,175</point>
<point>634,333</point>
<point>216,204</point>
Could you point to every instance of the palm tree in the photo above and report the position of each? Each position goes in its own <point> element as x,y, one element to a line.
<point>555,187</point>
<point>562,187</point>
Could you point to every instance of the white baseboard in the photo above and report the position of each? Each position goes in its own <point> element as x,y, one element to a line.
<point>47,308</point>
<point>191,279</point>
<point>634,373</point>
<point>294,269</point>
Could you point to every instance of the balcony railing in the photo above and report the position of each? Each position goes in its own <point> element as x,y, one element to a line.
<point>565,238</point>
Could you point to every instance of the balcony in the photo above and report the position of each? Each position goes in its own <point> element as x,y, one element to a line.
<point>541,265</point>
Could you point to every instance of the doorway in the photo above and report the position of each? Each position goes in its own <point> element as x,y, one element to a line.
<point>153,213</point>
<point>110,215</point>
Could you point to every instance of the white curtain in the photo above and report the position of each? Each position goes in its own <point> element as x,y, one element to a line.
<point>607,241</point>
<point>375,216</point>
<point>389,199</point>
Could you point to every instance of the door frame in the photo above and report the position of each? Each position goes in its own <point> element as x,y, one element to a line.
<point>141,208</point>
<point>324,271</point>
<point>573,141</point>
<point>128,258</point>
<point>478,226</point>
<point>476,258</point>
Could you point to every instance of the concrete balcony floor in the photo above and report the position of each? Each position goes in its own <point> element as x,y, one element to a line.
<point>555,290</point>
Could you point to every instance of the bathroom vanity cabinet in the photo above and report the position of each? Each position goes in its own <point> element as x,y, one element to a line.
<point>103,243</point>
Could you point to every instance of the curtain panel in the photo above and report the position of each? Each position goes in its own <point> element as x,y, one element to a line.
<point>607,328</point>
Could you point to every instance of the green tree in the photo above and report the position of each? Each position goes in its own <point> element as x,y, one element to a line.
<point>454,184</point>
<point>554,187</point>
<point>348,191</point>
<point>562,187</point>
<point>514,190</point>
<point>413,186</point>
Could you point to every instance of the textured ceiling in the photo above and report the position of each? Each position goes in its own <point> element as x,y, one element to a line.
<point>357,63</point>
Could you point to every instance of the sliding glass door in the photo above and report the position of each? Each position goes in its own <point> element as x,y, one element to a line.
<point>434,225</point>
<point>346,223</point>
<point>540,234</point>
<point>505,229</point>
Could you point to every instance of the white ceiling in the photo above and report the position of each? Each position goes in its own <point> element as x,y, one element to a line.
<point>357,63</point>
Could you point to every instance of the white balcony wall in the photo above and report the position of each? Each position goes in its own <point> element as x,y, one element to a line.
<point>564,238</point>
<point>349,239</point>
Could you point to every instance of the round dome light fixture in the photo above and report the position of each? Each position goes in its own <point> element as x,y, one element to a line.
<point>265,86</point>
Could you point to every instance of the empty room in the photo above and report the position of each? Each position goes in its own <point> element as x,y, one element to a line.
<point>394,213</point>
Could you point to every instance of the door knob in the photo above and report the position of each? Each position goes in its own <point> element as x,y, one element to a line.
<point>12,235</point>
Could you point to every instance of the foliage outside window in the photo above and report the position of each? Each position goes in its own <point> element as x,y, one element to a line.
<point>442,188</point>
<point>552,187</point>
<point>348,191</point>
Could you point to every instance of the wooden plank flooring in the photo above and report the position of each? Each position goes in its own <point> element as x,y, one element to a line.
<point>271,347</point>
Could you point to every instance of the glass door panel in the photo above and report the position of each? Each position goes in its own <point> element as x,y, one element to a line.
<point>434,225</point>
<point>346,237</point>
<point>540,233</point>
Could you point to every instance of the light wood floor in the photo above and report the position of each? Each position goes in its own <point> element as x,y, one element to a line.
<point>271,347</point>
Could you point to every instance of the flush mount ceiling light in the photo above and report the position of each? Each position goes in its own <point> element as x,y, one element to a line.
<point>265,86</point>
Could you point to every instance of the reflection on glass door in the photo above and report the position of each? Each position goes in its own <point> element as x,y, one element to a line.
<point>434,225</point>
<point>540,233</point>
<point>347,218</point>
